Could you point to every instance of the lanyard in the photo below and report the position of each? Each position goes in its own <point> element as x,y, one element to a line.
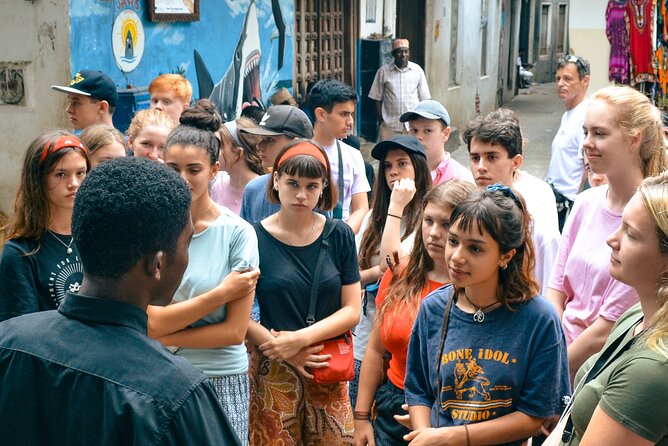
<point>338,210</point>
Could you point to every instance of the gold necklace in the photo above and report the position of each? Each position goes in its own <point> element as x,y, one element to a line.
<point>479,315</point>
<point>194,219</point>
<point>68,246</point>
<point>278,223</point>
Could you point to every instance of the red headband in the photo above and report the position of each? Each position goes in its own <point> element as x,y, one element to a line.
<point>304,148</point>
<point>61,143</point>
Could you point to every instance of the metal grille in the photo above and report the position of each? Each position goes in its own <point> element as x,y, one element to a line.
<point>324,42</point>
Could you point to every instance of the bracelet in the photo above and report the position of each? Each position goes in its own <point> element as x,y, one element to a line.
<point>361,416</point>
<point>468,439</point>
<point>392,215</point>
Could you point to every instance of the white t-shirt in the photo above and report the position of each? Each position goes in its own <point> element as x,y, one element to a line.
<point>228,244</point>
<point>363,329</point>
<point>354,175</point>
<point>541,206</point>
<point>567,161</point>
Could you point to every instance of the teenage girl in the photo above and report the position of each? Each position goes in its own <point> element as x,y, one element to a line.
<point>148,133</point>
<point>239,163</point>
<point>208,318</point>
<point>287,406</point>
<point>40,262</point>
<point>391,224</point>
<point>399,296</point>
<point>487,356</point>
<point>103,143</point>
<point>623,141</point>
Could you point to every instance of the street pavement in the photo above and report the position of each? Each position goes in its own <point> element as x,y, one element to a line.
<point>539,111</point>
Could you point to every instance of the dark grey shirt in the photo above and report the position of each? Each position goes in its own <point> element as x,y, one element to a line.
<point>88,374</point>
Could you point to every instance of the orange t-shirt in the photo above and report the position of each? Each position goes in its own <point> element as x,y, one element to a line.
<point>395,332</point>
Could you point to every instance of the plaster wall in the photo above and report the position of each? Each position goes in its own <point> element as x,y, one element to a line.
<point>588,39</point>
<point>35,39</point>
<point>460,97</point>
<point>371,17</point>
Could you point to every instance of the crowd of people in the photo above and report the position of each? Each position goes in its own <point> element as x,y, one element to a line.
<point>181,283</point>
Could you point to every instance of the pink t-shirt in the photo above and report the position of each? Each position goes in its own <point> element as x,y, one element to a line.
<point>224,194</point>
<point>581,269</point>
<point>450,168</point>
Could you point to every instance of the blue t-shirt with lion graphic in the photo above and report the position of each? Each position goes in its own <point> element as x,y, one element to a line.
<point>513,360</point>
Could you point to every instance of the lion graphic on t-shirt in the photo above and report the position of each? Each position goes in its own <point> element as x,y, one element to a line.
<point>469,379</point>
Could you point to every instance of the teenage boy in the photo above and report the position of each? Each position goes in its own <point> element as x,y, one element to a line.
<point>170,93</point>
<point>429,122</point>
<point>87,373</point>
<point>91,99</point>
<point>280,125</point>
<point>495,148</point>
<point>333,106</point>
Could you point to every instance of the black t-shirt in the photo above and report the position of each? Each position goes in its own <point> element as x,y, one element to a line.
<point>39,281</point>
<point>284,288</point>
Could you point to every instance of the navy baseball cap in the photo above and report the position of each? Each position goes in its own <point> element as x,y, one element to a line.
<point>91,83</point>
<point>283,120</point>
<point>405,142</point>
<point>427,109</point>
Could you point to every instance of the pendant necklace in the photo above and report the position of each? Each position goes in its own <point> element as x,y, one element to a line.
<point>479,315</point>
<point>278,223</point>
<point>194,219</point>
<point>68,246</point>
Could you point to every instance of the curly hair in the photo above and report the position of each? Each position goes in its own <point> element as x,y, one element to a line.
<point>504,217</point>
<point>31,208</point>
<point>127,208</point>
<point>407,284</point>
<point>144,118</point>
<point>199,127</point>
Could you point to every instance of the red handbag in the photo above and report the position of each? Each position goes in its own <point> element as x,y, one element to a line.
<point>341,364</point>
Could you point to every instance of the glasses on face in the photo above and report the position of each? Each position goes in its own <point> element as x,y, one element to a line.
<point>577,61</point>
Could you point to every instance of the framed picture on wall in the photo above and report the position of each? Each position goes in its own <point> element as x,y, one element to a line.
<point>173,10</point>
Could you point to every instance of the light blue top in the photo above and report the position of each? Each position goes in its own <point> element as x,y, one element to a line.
<point>228,244</point>
<point>255,205</point>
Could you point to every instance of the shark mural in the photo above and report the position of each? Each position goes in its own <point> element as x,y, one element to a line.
<point>241,82</point>
<point>239,50</point>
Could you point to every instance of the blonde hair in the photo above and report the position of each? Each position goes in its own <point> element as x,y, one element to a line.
<point>635,115</point>
<point>145,118</point>
<point>100,135</point>
<point>654,193</point>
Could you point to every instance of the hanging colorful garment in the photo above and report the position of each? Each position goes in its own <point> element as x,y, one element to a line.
<point>618,36</point>
<point>641,18</point>
<point>661,55</point>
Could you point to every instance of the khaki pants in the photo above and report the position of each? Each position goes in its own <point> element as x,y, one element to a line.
<point>386,133</point>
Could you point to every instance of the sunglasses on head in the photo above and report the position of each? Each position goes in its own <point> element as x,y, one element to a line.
<point>577,61</point>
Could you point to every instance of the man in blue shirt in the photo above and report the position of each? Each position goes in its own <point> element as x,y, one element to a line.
<point>87,373</point>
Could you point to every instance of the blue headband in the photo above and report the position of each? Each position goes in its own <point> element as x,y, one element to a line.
<point>508,192</point>
<point>231,126</point>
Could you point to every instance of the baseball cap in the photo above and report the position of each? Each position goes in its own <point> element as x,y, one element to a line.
<point>283,120</point>
<point>406,142</point>
<point>91,83</point>
<point>427,109</point>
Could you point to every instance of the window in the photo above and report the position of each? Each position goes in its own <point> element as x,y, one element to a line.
<point>561,28</point>
<point>454,32</point>
<point>544,29</point>
<point>484,22</point>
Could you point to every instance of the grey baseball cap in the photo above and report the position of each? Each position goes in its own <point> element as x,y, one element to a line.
<point>283,120</point>
<point>427,109</point>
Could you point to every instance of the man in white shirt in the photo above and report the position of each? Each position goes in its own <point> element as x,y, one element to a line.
<point>566,168</point>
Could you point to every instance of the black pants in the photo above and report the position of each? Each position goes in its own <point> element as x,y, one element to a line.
<point>387,431</point>
<point>564,206</point>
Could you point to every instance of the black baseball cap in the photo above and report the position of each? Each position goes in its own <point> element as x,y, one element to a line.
<point>406,142</point>
<point>91,83</point>
<point>283,120</point>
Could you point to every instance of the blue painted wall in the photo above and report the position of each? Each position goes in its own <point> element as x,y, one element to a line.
<point>170,46</point>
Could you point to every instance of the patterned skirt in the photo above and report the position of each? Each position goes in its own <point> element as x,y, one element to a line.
<point>287,409</point>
